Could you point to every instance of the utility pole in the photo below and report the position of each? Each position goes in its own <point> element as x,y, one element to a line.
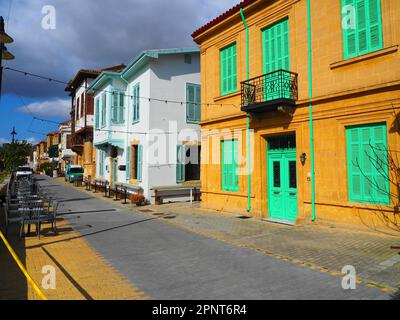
<point>13,133</point>
<point>5,55</point>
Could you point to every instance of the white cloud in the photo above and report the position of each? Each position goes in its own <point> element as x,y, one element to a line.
<point>51,108</point>
<point>31,140</point>
<point>3,140</point>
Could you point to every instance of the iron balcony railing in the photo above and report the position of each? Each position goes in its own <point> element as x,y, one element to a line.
<point>276,86</point>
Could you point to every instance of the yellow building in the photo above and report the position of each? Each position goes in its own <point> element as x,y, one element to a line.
<point>312,89</point>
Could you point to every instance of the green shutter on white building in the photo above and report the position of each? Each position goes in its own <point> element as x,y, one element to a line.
<point>140,162</point>
<point>135,103</point>
<point>193,102</point>
<point>96,113</point>
<point>366,36</point>
<point>367,164</point>
<point>180,164</point>
<point>103,109</point>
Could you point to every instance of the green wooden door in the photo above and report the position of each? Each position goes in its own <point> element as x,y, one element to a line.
<point>282,184</point>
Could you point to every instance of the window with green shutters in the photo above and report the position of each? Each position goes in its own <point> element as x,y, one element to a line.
<point>135,103</point>
<point>366,35</point>
<point>180,163</point>
<point>230,179</point>
<point>367,163</point>
<point>97,113</point>
<point>275,41</point>
<point>118,108</point>
<point>103,109</point>
<point>193,102</point>
<point>228,69</point>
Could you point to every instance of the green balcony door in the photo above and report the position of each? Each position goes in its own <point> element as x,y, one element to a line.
<point>275,40</point>
<point>282,179</point>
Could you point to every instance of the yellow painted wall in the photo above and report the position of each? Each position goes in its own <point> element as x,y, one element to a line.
<point>356,91</point>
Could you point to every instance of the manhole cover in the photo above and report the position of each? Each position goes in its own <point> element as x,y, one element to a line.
<point>169,217</point>
<point>146,210</point>
<point>243,217</point>
<point>158,213</point>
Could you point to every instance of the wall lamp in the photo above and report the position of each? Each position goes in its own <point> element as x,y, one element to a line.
<point>303,158</point>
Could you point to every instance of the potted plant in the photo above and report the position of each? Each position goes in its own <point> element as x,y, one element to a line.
<point>138,199</point>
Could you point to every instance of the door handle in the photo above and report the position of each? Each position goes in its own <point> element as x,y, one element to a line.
<point>277,192</point>
<point>292,193</point>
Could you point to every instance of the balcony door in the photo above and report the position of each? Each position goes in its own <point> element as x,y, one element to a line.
<point>282,179</point>
<point>275,40</point>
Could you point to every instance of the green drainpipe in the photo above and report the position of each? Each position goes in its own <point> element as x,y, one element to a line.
<point>247,117</point>
<point>310,94</point>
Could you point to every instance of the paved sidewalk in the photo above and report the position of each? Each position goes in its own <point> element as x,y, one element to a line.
<point>323,247</point>
<point>310,248</point>
<point>81,273</point>
<point>326,247</point>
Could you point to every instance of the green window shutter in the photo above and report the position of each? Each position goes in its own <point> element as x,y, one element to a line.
<point>375,25</point>
<point>229,170</point>
<point>197,109</point>
<point>361,25</point>
<point>128,162</point>
<point>140,162</point>
<point>193,102</point>
<point>367,35</point>
<point>228,72</point>
<point>368,164</point>
<point>103,109</point>
<point>276,47</point>
<point>114,107</point>
<point>180,165</point>
<point>136,103</point>
<point>96,112</point>
<point>121,111</point>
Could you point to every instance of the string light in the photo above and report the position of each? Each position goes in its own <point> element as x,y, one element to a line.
<point>114,92</point>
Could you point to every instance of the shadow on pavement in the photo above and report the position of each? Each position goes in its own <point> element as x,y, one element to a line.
<point>13,284</point>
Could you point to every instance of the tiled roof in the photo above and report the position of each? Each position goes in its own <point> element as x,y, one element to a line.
<point>222,17</point>
<point>87,73</point>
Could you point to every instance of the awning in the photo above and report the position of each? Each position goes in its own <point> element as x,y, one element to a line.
<point>113,142</point>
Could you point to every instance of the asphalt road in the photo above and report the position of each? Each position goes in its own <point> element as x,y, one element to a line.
<point>167,262</point>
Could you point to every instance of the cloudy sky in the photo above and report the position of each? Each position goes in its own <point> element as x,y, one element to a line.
<point>88,34</point>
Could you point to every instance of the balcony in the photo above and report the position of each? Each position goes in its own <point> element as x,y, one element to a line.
<point>77,143</point>
<point>274,91</point>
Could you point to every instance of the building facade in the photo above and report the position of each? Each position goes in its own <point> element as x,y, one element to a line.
<point>312,89</point>
<point>66,155</point>
<point>82,118</point>
<point>146,120</point>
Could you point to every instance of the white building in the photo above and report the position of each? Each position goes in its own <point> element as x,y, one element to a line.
<point>66,155</point>
<point>146,120</point>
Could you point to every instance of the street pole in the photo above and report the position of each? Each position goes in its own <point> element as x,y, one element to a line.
<point>4,54</point>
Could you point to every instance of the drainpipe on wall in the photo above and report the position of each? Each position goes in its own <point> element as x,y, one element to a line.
<point>247,117</point>
<point>310,109</point>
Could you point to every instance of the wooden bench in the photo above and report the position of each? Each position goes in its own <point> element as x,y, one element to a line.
<point>163,192</point>
<point>125,189</point>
